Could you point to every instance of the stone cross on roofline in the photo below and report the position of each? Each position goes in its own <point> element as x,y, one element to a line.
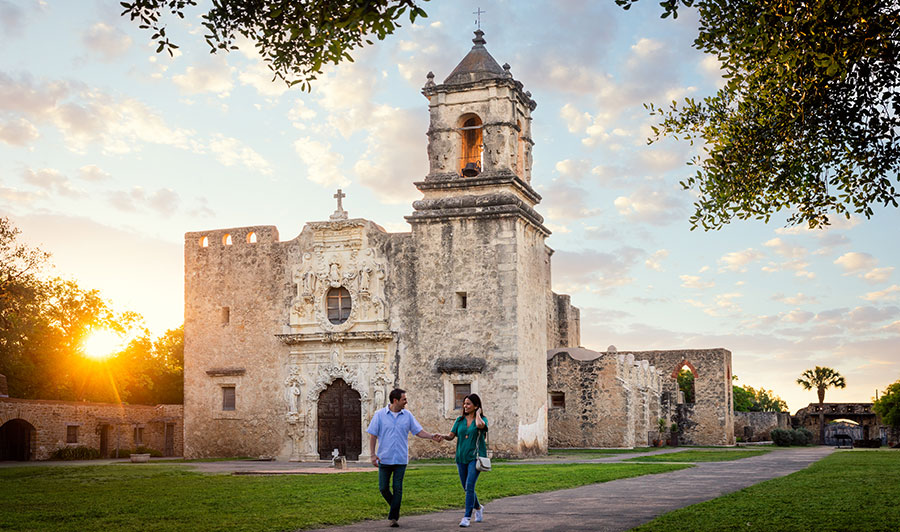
<point>478,14</point>
<point>339,213</point>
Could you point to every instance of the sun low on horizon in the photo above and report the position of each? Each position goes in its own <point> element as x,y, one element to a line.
<point>102,344</point>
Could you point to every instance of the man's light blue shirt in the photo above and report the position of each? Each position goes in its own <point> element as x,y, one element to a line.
<point>393,435</point>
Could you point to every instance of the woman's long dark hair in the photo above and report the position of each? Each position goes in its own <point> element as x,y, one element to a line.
<point>476,401</point>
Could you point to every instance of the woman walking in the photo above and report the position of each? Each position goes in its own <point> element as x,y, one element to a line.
<point>470,428</point>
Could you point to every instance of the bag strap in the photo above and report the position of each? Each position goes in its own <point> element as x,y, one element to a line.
<point>483,441</point>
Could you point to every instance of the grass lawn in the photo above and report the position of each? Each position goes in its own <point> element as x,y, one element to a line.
<point>168,497</point>
<point>699,456</point>
<point>848,490</point>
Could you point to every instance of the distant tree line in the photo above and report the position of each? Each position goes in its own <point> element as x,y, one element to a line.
<point>749,399</point>
<point>44,321</point>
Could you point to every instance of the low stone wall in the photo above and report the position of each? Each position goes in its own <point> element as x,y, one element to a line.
<point>756,426</point>
<point>44,426</point>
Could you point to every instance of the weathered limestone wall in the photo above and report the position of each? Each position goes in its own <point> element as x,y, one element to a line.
<point>711,418</point>
<point>756,426</point>
<point>564,323</point>
<point>610,400</point>
<point>50,420</point>
<point>532,282</point>
<point>475,257</point>
<point>236,299</point>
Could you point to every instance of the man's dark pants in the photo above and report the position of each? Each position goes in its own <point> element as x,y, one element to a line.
<point>384,484</point>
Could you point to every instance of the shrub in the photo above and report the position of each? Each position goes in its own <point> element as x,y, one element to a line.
<point>782,437</point>
<point>801,436</point>
<point>75,453</point>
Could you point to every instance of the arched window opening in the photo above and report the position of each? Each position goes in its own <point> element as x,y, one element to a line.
<point>472,146</point>
<point>251,238</point>
<point>204,242</point>
<point>686,384</point>
<point>226,240</point>
<point>338,302</point>
<point>520,152</point>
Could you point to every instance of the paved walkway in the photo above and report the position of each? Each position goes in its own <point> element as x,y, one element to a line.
<point>616,505</point>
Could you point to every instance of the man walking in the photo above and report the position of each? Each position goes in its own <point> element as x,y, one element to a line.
<point>392,425</point>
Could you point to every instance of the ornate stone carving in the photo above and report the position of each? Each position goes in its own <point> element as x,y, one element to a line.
<point>328,373</point>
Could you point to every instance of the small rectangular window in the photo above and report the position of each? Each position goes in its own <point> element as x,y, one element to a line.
<point>462,300</point>
<point>557,400</point>
<point>72,434</point>
<point>138,435</point>
<point>460,391</point>
<point>228,398</point>
<point>226,315</point>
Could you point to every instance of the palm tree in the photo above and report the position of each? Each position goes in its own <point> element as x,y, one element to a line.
<point>820,379</point>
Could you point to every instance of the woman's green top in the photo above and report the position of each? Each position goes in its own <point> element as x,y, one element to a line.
<point>469,440</point>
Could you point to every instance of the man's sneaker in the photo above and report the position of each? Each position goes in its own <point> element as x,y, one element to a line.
<point>394,523</point>
<point>464,522</point>
<point>479,514</point>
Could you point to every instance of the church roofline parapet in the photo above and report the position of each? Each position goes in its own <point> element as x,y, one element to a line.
<point>339,225</point>
<point>336,337</point>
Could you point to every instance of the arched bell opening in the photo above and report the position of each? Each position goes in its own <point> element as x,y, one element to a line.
<point>471,132</point>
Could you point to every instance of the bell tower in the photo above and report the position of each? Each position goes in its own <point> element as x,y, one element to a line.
<point>480,269</point>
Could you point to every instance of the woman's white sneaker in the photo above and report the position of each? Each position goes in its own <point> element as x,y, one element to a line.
<point>464,522</point>
<point>479,514</point>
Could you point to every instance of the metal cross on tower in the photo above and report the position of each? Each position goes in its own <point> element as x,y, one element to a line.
<point>478,15</point>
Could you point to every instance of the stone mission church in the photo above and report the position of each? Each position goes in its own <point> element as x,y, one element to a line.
<point>291,346</point>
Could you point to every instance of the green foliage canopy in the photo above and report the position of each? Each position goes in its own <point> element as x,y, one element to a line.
<point>888,405</point>
<point>686,384</point>
<point>295,39</point>
<point>809,118</point>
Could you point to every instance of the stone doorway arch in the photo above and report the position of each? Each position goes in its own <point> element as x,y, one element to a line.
<point>17,439</point>
<point>339,416</point>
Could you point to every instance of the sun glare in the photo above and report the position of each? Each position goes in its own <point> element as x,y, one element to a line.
<point>102,344</point>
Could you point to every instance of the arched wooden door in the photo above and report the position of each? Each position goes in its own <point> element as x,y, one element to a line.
<point>16,437</point>
<point>340,421</point>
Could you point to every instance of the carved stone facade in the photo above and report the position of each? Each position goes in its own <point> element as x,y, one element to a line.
<point>291,346</point>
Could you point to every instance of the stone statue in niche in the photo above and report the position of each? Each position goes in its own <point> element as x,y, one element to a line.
<point>294,383</point>
<point>307,276</point>
<point>334,274</point>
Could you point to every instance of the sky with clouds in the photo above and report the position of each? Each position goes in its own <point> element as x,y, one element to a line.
<point>110,152</point>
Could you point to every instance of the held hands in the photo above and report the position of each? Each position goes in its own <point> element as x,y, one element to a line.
<point>437,438</point>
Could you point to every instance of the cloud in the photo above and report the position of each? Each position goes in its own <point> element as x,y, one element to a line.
<point>52,181</point>
<point>231,151</point>
<point>654,262</point>
<point>213,75</point>
<point>695,282</point>
<point>164,201</point>
<point>594,271</point>
<point>853,262</point>
<point>92,172</point>
<point>395,151</point>
<point>322,164</point>
<point>107,42</point>
<point>646,205</point>
<point>300,115</point>
<point>18,132</point>
<point>566,201</point>
<point>12,19</point>
<point>798,299</point>
<point>573,170</point>
<point>798,316</point>
<point>576,121</point>
<point>878,275</point>
<point>889,293</point>
<point>257,74</point>
<point>784,249</point>
<point>737,261</point>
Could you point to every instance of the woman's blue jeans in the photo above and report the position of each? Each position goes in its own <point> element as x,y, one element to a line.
<point>468,476</point>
